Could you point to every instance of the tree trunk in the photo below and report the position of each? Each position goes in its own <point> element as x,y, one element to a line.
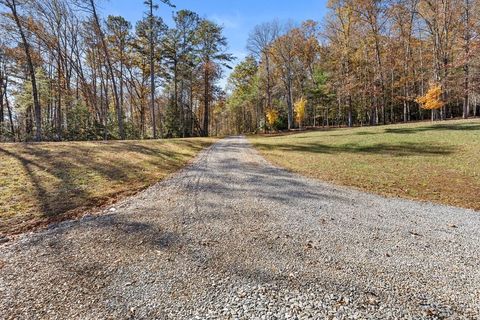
<point>58,118</point>
<point>466,67</point>
<point>152,74</point>
<point>118,107</point>
<point>175,93</point>
<point>269,91</point>
<point>289,102</point>
<point>122,48</point>
<point>2,110</point>
<point>326,115</point>
<point>350,112</point>
<point>31,69</point>
<point>190,102</point>
<point>206,98</point>
<point>9,110</point>
<point>474,105</point>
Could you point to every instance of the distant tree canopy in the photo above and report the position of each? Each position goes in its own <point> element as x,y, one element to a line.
<point>369,62</point>
<point>66,73</point>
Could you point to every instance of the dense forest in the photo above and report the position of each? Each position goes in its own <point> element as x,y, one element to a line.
<point>368,62</point>
<point>68,72</point>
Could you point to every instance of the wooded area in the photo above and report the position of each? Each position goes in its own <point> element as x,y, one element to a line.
<point>368,62</point>
<point>68,73</point>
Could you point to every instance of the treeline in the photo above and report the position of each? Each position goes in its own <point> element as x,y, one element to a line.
<point>66,73</point>
<point>368,62</point>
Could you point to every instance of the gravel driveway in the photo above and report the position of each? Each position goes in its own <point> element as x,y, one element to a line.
<point>232,237</point>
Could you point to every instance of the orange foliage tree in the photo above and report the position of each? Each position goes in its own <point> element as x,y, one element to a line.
<point>432,100</point>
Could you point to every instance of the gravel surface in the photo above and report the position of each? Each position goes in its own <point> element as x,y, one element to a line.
<point>232,237</point>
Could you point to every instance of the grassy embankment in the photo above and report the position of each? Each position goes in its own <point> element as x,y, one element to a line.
<point>437,162</point>
<point>47,182</point>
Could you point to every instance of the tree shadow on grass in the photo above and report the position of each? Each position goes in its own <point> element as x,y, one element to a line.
<point>366,133</point>
<point>435,127</point>
<point>397,150</point>
<point>61,178</point>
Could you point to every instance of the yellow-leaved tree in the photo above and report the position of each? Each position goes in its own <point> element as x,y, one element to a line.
<point>432,100</point>
<point>300,108</point>
<point>272,117</point>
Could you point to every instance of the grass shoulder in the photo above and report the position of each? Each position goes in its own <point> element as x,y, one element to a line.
<point>438,162</point>
<point>41,183</point>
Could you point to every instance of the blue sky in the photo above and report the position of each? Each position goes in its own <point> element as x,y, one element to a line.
<point>236,16</point>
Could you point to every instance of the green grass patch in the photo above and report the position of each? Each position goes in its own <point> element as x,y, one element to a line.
<point>438,162</point>
<point>42,183</point>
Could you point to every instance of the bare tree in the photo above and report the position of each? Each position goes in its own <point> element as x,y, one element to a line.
<point>259,43</point>
<point>13,6</point>
<point>91,7</point>
<point>151,7</point>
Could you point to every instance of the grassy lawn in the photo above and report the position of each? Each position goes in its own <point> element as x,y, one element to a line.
<point>438,162</point>
<point>47,182</point>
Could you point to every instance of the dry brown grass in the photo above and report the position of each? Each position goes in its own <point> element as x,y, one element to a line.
<point>437,162</point>
<point>42,183</point>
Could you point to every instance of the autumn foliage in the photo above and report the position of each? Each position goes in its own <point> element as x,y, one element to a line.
<point>432,100</point>
<point>272,117</point>
<point>300,107</point>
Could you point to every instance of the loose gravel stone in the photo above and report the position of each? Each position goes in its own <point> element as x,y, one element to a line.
<point>233,237</point>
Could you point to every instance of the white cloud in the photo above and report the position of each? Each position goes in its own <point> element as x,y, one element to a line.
<point>228,21</point>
